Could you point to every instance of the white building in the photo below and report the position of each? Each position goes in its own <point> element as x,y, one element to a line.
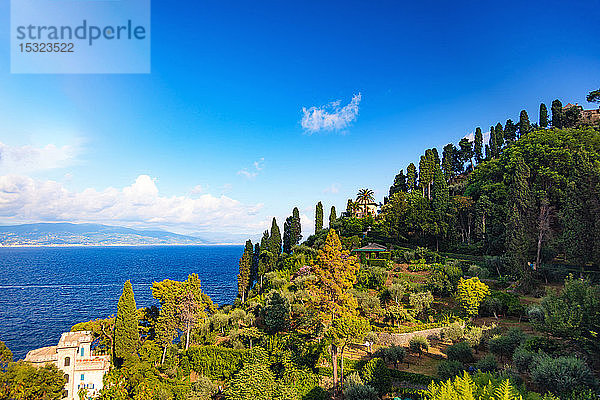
<point>74,357</point>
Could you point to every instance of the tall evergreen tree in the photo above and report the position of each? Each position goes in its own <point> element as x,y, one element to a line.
<point>478,145</point>
<point>543,116</point>
<point>349,208</point>
<point>332,217</point>
<point>435,156</point>
<point>466,151</point>
<point>255,262</point>
<point>524,124</point>
<point>126,326</point>
<point>296,227</point>
<point>411,177</point>
<point>571,117</point>
<point>266,257</point>
<point>499,132</point>
<point>275,240</point>
<point>426,168</point>
<point>319,217</point>
<point>510,131</point>
<point>399,183</point>
<point>557,114</point>
<point>493,143</point>
<point>335,273</point>
<point>448,161</point>
<point>519,224</point>
<point>243,277</point>
<point>287,235</point>
<point>488,152</point>
<point>580,216</point>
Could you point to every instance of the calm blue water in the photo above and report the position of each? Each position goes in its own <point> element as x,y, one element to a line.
<point>45,291</point>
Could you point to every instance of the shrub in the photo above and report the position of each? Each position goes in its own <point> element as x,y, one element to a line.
<point>202,389</point>
<point>253,382</point>
<point>318,393</point>
<point>418,344</point>
<point>505,345</point>
<point>376,374</point>
<point>420,302</point>
<point>453,332</point>
<point>562,375</point>
<point>474,336</point>
<point>394,354</point>
<point>276,313</point>
<point>537,343</point>
<point>353,379</point>
<point>487,364</point>
<point>460,352</point>
<point>372,276</point>
<point>469,294</point>
<point>214,361</point>
<point>360,392</point>
<point>502,303</point>
<point>449,369</point>
<point>476,270</point>
<point>522,358</point>
<point>491,306</point>
<point>535,314</point>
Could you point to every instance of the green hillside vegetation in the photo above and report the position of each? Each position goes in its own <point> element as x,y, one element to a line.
<point>489,261</point>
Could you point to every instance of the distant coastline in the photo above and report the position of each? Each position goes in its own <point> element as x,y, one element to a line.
<point>119,245</point>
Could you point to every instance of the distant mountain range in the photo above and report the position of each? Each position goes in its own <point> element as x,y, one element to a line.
<point>56,234</point>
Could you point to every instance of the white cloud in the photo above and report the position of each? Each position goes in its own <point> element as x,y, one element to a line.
<point>330,117</point>
<point>198,189</point>
<point>25,159</point>
<point>333,189</point>
<point>251,173</point>
<point>23,199</point>
<point>486,137</point>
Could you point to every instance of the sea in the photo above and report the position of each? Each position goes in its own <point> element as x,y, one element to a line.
<point>46,290</point>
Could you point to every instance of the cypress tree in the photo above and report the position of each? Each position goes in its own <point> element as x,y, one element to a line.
<point>275,240</point>
<point>557,114</point>
<point>411,177</point>
<point>423,174</point>
<point>493,143</point>
<point>332,217</point>
<point>399,183</point>
<point>126,326</point>
<point>499,136</point>
<point>543,116</point>
<point>349,208</point>
<point>488,152</point>
<point>319,217</point>
<point>478,145</point>
<point>287,234</point>
<point>255,262</point>
<point>510,131</point>
<point>296,227</point>
<point>447,161</point>
<point>244,271</point>
<point>466,151</point>
<point>435,156</point>
<point>519,223</point>
<point>265,256</point>
<point>524,124</point>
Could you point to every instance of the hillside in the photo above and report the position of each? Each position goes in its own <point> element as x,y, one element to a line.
<point>48,234</point>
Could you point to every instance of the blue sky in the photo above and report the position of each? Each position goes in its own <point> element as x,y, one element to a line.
<point>226,94</point>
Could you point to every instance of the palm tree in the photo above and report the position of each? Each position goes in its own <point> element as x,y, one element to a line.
<point>365,196</point>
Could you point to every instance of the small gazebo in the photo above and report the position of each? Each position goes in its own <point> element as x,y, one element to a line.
<point>371,251</point>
